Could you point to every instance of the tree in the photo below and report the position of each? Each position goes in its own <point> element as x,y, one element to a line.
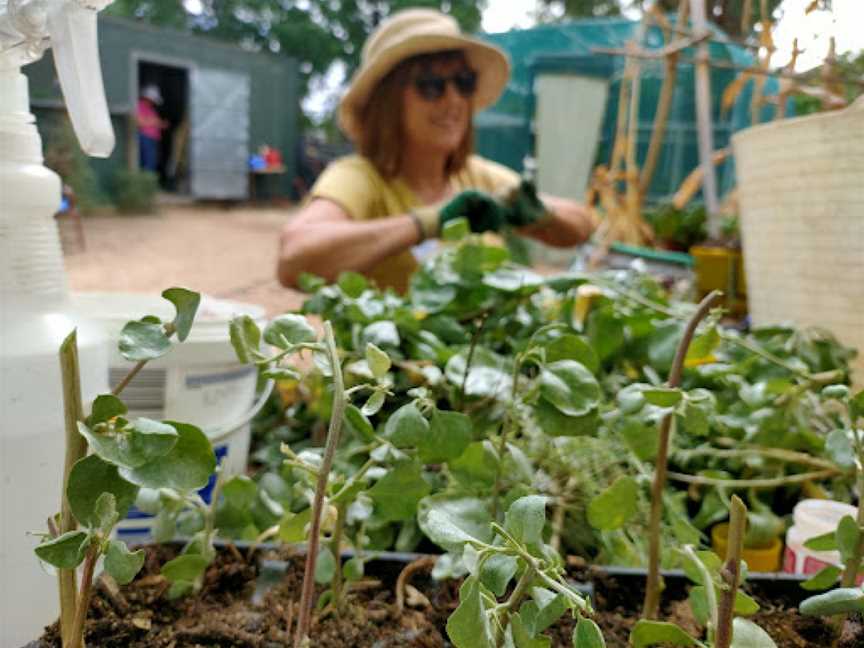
<point>323,33</point>
<point>725,13</point>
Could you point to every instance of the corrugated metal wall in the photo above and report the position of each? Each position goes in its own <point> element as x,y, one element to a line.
<point>274,100</point>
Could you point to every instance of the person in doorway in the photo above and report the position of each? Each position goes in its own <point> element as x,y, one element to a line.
<point>150,127</point>
<point>408,111</point>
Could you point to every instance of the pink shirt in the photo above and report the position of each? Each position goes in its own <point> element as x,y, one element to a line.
<point>147,115</point>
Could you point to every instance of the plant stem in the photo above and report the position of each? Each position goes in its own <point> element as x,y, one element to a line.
<point>731,572</point>
<point>519,591</point>
<point>505,433</point>
<point>336,549</point>
<point>128,377</point>
<point>474,339</point>
<point>769,482</point>
<point>651,604</point>
<point>850,572</point>
<point>338,413</point>
<point>76,637</point>
<point>76,449</point>
<point>789,456</point>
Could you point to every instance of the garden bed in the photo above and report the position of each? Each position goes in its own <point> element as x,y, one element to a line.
<point>249,599</point>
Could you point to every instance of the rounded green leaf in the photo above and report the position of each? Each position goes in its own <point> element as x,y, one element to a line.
<point>245,337</point>
<point>570,387</point>
<point>448,436</point>
<point>187,466</point>
<point>357,423</point>
<point>186,304</point>
<point>522,636</point>
<point>397,494</point>
<point>378,361</point>
<point>143,341</point>
<point>287,330</point>
<point>587,635</point>
<point>89,479</point>
<point>572,347</point>
<point>325,566</point>
<point>477,467</point>
<point>555,423</point>
<point>66,551</point>
<point>848,537</point>
<point>651,633</point>
<point>525,519</point>
<point>374,403</point>
<point>353,569</point>
<point>406,427</point>
<point>662,396</point>
<point>105,407</point>
<point>823,579</point>
<point>746,634</point>
<point>188,568</point>
<point>614,507</point>
<point>121,563</point>
<point>382,334</point>
<point>824,542</point>
<point>352,283</point>
<point>133,444</point>
<point>838,447</point>
<point>450,521</point>
<point>843,600</point>
<point>469,626</point>
<point>497,572</point>
<point>240,491</point>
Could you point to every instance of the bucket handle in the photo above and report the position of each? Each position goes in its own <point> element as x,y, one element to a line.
<point>247,416</point>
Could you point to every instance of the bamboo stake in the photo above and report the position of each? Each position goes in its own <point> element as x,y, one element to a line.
<point>664,104</point>
<point>703,120</point>
<point>76,449</point>
<point>651,604</point>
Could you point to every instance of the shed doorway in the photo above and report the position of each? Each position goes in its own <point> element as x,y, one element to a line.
<point>172,163</point>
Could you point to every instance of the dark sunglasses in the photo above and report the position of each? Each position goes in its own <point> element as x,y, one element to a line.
<point>433,86</point>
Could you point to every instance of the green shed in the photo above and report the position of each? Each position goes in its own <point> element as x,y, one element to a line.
<point>221,104</point>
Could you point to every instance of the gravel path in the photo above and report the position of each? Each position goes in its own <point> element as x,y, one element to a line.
<point>224,253</point>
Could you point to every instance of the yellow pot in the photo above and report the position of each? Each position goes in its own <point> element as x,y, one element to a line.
<point>762,559</point>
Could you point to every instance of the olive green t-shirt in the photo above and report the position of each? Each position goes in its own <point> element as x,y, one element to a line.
<point>354,184</point>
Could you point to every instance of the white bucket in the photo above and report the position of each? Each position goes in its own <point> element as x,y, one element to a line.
<point>813,517</point>
<point>199,381</point>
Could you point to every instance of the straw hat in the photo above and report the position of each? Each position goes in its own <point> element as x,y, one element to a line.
<point>419,31</point>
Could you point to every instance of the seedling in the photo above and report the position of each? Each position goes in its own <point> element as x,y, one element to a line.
<point>515,549</point>
<point>127,455</point>
<point>846,448</point>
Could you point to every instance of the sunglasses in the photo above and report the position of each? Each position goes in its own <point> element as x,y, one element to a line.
<point>432,87</point>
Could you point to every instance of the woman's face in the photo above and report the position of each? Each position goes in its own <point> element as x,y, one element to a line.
<point>436,104</point>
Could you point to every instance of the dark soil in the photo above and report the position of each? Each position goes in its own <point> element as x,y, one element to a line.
<point>231,612</point>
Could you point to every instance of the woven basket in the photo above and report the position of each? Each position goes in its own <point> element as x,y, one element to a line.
<point>801,192</point>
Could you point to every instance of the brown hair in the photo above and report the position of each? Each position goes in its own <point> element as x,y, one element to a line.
<point>381,138</point>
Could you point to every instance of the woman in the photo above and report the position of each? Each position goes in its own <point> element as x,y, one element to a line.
<point>409,113</point>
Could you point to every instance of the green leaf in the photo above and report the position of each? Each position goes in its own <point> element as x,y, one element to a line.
<point>823,579</point>
<point>745,605</point>
<point>838,447</point>
<point>839,392</point>
<point>292,528</point>
<point>89,479</point>
<point>606,332</point>
<point>357,423</point>
<point>186,303</point>
<point>587,634</point>
<point>325,566</point>
<point>746,634</point>
<point>448,436</point>
<point>310,283</point>
<point>105,513</point>
<point>455,229</point>
<point>406,427</point>
<point>353,569</point>
<point>570,387</point>
<point>378,361</point>
<point>856,406</point>
<point>121,563</point>
<point>848,537</point>
<point>497,572</point>
<point>544,610</point>
<point>187,466</point>
<point>66,551</point>
<point>708,558</point>
<point>488,376</point>
<point>641,438</point>
<point>523,637</point>
<point>451,521</point>
<point>382,334</point>
<point>287,330</point>
<point>105,407</point>
<point>843,600</point>
<point>132,445</point>
<point>512,279</point>
<point>245,337</point>
<point>240,491</point>
<point>662,396</point>
<point>477,467</point>
<point>525,519</point>
<point>615,506</point>
<point>703,345</point>
<point>694,418</point>
<point>651,633</point>
<point>397,494</point>
<point>352,284</point>
<point>187,568</point>
<point>572,347</point>
<point>374,403</point>
<point>824,542</point>
<point>554,423</point>
<point>143,341</point>
<point>468,626</point>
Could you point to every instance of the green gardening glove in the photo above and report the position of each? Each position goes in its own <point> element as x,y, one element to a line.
<point>523,206</point>
<point>483,212</point>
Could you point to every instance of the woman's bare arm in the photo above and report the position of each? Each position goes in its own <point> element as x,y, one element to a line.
<point>323,239</point>
<point>570,223</point>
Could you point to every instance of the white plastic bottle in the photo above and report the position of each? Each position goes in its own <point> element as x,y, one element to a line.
<point>35,312</point>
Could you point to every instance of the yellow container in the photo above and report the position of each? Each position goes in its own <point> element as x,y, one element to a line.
<point>762,559</point>
<point>719,268</point>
